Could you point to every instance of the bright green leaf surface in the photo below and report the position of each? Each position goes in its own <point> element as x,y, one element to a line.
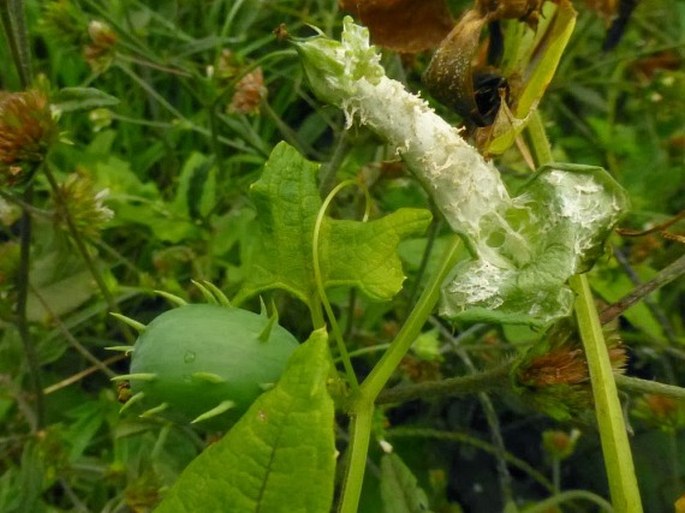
<point>279,458</point>
<point>351,252</point>
<point>364,255</point>
<point>399,489</point>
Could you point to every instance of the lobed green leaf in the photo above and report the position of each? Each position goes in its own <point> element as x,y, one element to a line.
<point>353,253</point>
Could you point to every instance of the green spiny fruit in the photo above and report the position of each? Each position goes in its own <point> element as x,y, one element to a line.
<point>205,361</point>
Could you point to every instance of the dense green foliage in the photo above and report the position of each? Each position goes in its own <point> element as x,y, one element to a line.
<point>189,145</point>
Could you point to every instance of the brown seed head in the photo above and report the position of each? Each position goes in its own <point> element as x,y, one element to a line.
<point>249,93</point>
<point>27,129</point>
<point>562,365</point>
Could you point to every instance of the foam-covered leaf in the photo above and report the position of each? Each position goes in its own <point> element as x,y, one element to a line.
<point>564,214</point>
<point>350,252</point>
<point>524,248</point>
<point>279,457</point>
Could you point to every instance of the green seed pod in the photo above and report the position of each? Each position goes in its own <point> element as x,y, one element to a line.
<point>202,361</point>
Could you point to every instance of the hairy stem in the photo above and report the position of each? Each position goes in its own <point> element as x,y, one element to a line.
<point>496,378</point>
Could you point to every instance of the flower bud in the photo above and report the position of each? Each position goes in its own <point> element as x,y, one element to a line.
<point>100,52</point>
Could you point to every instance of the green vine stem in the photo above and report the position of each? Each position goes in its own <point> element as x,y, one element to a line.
<point>381,373</point>
<point>618,459</point>
<point>570,495</point>
<point>362,404</point>
<point>318,278</point>
<point>645,386</point>
<point>361,424</point>
<point>493,379</point>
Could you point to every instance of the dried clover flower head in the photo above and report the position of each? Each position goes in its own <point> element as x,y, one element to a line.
<point>554,377</point>
<point>100,52</point>
<point>249,93</point>
<point>85,205</point>
<point>27,129</point>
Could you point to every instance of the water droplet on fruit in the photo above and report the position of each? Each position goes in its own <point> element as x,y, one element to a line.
<point>189,357</point>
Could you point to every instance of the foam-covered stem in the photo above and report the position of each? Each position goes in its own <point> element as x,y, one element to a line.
<point>525,247</point>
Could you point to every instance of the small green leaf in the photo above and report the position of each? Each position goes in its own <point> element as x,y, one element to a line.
<point>280,456</point>
<point>70,99</point>
<point>364,255</point>
<point>399,489</point>
<point>352,253</point>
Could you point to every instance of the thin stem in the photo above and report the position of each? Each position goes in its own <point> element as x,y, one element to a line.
<point>491,379</point>
<point>80,375</point>
<point>654,307</point>
<point>495,380</point>
<point>152,92</point>
<point>645,386</point>
<point>83,250</point>
<point>316,313</point>
<point>556,474</point>
<point>490,416</point>
<point>666,275</point>
<point>381,373</point>
<point>570,495</point>
<point>22,320</point>
<point>14,25</point>
<point>329,170</point>
<point>318,278</point>
<point>72,339</point>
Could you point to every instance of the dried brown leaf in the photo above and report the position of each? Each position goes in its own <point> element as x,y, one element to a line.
<point>407,26</point>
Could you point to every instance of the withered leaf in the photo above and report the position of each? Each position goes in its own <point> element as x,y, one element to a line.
<point>407,26</point>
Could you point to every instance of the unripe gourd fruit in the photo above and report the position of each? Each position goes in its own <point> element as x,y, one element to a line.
<point>206,362</point>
